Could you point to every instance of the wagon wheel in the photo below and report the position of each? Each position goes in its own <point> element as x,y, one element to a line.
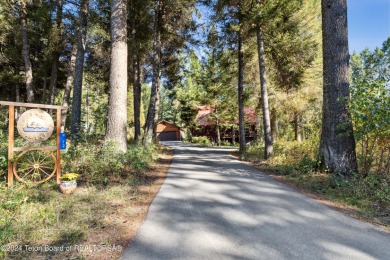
<point>34,166</point>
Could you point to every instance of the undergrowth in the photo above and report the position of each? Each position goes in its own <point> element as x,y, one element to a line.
<point>100,164</point>
<point>41,216</point>
<point>296,162</point>
<point>205,141</point>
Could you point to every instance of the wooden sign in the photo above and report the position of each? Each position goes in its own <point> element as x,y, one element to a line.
<point>33,164</point>
<point>35,125</point>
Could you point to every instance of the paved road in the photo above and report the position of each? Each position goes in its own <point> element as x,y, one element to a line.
<point>212,206</point>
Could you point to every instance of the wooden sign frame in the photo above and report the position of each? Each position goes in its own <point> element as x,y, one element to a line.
<point>11,137</point>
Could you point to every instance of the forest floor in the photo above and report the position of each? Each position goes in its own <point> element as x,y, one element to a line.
<point>127,215</point>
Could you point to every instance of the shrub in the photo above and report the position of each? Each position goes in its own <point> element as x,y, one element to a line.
<point>226,143</point>
<point>254,153</point>
<point>201,140</point>
<point>100,163</point>
<point>3,160</point>
<point>307,165</point>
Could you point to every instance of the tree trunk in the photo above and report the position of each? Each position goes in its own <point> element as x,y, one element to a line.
<point>260,130</point>
<point>43,98</point>
<point>68,86</point>
<point>233,135</point>
<point>161,107</point>
<point>155,91</point>
<point>218,133</point>
<point>137,99</point>
<point>274,126</point>
<point>53,79</point>
<point>117,109</point>
<point>79,68</point>
<point>264,96</point>
<point>241,93</point>
<point>56,52</point>
<point>297,127</point>
<point>337,145</point>
<point>136,70</point>
<point>16,92</point>
<point>26,54</point>
<point>189,134</point>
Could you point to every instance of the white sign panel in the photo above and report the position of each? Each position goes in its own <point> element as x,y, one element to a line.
<point>35,125</point>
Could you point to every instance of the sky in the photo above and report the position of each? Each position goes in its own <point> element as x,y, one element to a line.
<point>368,23</point>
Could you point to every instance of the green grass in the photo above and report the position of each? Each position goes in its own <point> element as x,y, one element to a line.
<point>295,162</point>
<point>41,215</point>
<point>205,142</point>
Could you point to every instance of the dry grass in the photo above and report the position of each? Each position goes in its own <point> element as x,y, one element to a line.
<point>93,223</point>
<point>318,187</point>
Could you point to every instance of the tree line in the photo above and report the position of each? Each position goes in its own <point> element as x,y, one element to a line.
<point>122,65</point>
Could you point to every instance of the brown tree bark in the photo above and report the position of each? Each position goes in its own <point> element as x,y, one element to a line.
<point>155,91</point>
<point>137,99</point>
<point>79,69</point>
<point>337,145</point>
<point>264,96</point>
<point>56,52</point>
<point>26,53</point>
<point>218,132</point>
<point>15,95</point>
<point>117,108</point>
<point>297,127</point>
<point>68,86</point>
<point>240,87</point>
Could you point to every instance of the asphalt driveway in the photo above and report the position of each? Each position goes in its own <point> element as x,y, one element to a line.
<point>213,206</point>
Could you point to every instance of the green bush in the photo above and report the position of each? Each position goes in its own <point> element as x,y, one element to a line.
<point>201,140</point>
<point>101,163</point>
<point>370,109</point>
<point>254,153</point>
<point>226,143</point>
<point>307,165</point>
<point>3,160</point>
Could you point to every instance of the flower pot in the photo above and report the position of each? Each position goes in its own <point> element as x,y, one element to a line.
<point>68,187</point>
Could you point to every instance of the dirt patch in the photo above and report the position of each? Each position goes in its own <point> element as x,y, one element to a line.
<point>125,216</point>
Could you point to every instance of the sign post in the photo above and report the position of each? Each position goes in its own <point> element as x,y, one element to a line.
<point>35,126</point>
<point>11,131</point>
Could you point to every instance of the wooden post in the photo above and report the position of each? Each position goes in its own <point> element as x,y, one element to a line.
<point>11,136</point>
<point>58,129</point>
<point>11,133</point>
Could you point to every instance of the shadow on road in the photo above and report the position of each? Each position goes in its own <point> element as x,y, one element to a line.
<point>215,207</point>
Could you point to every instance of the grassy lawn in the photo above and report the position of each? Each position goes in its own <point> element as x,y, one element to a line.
<point>95,222</point>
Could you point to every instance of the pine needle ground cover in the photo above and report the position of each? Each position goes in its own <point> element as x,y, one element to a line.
<point>98,220</point>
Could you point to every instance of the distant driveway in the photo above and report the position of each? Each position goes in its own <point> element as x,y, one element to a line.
<point>213,206</point>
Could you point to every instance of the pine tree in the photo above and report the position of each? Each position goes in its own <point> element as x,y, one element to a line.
<point>268,149</point>
<point>117,105</point>
<point>155,92</point>
<point>337,147</point>
<point>56,42</point>
<point>26,53</point>
<point>79,69</point>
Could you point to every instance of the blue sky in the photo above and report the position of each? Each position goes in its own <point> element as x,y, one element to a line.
<point>368,23</point>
